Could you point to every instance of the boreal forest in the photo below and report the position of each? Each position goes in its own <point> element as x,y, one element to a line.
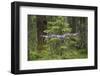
<point>57,37</point>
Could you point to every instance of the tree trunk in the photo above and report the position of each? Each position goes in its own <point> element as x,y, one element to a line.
<point>41,26</point>
<point>83,32</point>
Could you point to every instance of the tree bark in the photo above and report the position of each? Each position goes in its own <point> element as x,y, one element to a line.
<point>41,26</point>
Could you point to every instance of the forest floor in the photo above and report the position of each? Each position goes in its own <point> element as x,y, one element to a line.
<point>70,54</point>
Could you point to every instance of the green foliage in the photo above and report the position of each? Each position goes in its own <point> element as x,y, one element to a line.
<point>71,47</point>
<point>58,26</point>
<point>70,54</point>
<point>33,55</point>
<point>32,33</point>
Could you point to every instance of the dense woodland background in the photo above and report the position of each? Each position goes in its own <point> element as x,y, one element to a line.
<point>57,37</point>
